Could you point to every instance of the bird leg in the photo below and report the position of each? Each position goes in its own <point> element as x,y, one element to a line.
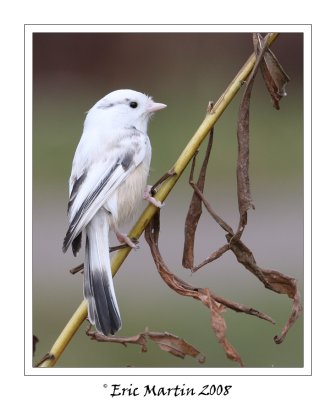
<point>123,238</point>
<point>147,196</point>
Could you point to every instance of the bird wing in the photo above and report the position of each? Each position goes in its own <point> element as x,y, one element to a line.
<point>93,186</point>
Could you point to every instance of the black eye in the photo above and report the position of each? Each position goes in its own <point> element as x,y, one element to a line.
<point>133,104</point>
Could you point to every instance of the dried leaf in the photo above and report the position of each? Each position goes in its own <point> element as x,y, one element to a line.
<point>243,129</point>
<point>137,339</point>
<point>175,345</point>
<point>219,327</point>
<point>274,75</point>
<point>195,207</point>
<point>194,213</point>
<point>285,285</point>
<point>191,222</point>
<point>165,340</point>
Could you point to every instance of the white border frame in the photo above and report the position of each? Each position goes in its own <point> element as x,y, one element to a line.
<point>176,372</point>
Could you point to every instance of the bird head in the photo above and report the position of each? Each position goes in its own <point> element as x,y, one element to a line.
<point>126,108</point>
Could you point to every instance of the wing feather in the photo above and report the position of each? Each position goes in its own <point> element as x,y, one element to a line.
<point>100,179</point>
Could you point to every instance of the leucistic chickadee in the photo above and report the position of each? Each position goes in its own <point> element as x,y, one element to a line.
<point>108,180</point>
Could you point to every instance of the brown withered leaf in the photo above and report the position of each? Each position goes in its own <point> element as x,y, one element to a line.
<point>219,327</point>
<point>138,339</point>
<point>166,341</point>
<point>243,132</point>
<point>175,345</point>
<point>273,73</point>
<point>195,207</point>
<point>223,249</point>
<point>284,284</point>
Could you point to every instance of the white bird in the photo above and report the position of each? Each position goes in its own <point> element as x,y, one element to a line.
<point>107,182</point>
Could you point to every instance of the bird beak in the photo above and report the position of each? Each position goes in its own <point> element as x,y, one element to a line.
<point>156,107</point>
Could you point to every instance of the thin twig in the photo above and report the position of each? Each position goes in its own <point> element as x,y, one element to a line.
<point>215,216</point>
<point>80,267</point>
<point>163,178</point>
<point>213,256</point>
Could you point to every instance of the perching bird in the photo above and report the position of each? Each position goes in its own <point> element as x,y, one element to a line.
<point>107,182</point>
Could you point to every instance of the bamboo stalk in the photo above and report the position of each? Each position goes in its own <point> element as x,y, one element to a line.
<point>209,121</point>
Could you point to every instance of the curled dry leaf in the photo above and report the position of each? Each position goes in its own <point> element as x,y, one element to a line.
<point>195,207</point>
<point>243,133</point>
<point>175,345</point>
<point>284,284</point>
<point>273,73</point>
<point>165,340</point>
<point>136,339</point>
<point>218,325</point>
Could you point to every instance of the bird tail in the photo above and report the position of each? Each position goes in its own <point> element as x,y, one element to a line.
<point>98,285</point>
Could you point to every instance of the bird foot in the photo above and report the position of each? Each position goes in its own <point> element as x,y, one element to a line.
<point>123,238</point>
<point>147,196</point>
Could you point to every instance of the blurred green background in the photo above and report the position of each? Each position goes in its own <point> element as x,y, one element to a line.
<point>71,71</point>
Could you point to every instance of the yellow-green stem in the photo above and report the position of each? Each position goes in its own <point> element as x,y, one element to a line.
<point>180,165</point>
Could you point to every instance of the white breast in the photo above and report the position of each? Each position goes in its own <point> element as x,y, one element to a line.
<point>126,199</point>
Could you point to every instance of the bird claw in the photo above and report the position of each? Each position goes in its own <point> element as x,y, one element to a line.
<point>131,242</point>
<point>147,196</point>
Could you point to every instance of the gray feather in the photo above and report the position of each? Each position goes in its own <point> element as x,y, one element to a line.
<point>125,162</point>
<point>75,188</point>
<point>98,284</point>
